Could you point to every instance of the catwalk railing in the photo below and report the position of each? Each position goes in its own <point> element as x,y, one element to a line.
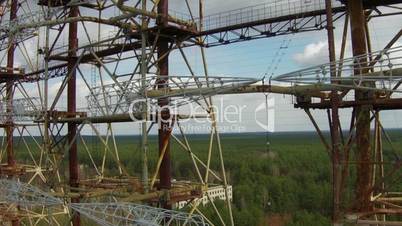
<point>262,12</point>
<point>383,68</point>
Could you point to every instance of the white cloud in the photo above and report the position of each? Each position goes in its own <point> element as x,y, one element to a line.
<point>316,53</point>
<point>313,54</point>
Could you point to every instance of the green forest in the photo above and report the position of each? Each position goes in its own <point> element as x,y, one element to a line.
<point>286,183</point>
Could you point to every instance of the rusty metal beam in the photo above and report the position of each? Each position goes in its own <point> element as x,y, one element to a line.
<point>121,118</point>
<point>165,182</point>
<point>357,22</point>
<point>71,108</point>
<point>9,97</point>
<point>9,88</point>
<point>377,104</point>
<point>334,123</point>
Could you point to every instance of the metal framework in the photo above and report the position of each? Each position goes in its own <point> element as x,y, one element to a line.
<point>110,213</point>
<point>127,46</point>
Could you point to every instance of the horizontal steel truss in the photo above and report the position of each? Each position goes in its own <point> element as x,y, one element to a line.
<point>124,42</point>
<point>291,24</point>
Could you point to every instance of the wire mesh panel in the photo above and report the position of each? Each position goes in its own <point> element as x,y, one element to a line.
<point>105,214</point>
<point>25,194</point>
<point>119,214</point>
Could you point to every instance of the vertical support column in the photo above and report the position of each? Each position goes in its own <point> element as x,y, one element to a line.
<point>334,126</point>
<point>164,125</point>
<point>9,96</point>
<point>71,108</point>
<point>201,12</point>
<point>144,125</point>
<point>9,89</point>
<point>357,23</point>
<point>378,169</point>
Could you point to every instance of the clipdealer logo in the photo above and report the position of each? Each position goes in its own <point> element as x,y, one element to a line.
<point>229,117</point>
<point>136,110</point>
